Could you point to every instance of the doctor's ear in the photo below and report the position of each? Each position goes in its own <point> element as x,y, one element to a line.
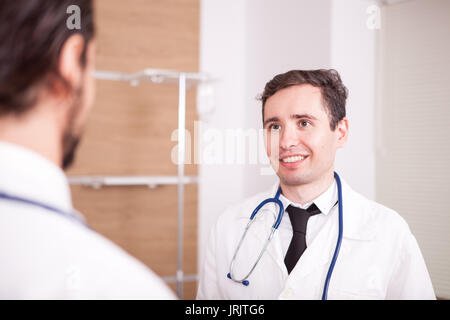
<point>342,132</point>
<point>70,67</point>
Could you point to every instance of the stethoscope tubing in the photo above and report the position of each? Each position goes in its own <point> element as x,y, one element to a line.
<point>276,199</point>
<point>44,206</point>
<point>339,240</point>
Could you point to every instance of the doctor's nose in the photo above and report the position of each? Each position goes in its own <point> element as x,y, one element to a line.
<point>289,138</point>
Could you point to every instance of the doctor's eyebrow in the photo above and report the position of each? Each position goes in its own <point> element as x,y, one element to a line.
<point>303,116</point>
<point>267,121</point>
<point>293,116</point>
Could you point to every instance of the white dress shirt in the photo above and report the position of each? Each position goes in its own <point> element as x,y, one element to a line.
<point>46,255</point>
<point>325,202</point>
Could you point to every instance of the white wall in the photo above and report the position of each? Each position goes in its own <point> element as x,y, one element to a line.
<point>282,35</point>
<point>244,44</point>
<point>223,56</point>
<point>353,54</point>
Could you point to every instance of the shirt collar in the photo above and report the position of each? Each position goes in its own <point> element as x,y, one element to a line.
<point>325,202</point>
<point>27,174</point>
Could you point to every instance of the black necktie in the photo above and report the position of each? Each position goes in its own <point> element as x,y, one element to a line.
<point>299,220</point>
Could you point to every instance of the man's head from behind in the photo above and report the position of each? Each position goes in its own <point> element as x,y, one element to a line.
<point>46,61</point>
<point>304,121</point>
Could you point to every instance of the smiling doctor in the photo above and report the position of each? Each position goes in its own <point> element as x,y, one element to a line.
<point>331,242</point>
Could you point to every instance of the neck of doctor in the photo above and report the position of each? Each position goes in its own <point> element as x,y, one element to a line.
<point>307,192</point>
<point>38,130</point>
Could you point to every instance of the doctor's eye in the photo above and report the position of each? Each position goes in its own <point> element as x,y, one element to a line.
<point>304,123</point>
<point>274,127</point>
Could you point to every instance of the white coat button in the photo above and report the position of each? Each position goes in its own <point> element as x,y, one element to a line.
<point>287,293</point>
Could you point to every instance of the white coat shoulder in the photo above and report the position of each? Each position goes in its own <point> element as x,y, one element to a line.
<point>244,208</point>
<point>391,243</point>
<point>52,257</point>
<point>366,218</point>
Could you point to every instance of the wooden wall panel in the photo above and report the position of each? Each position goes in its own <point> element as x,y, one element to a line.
<point>189,289</point>
<point>138,34</point>
<point>129,131</point>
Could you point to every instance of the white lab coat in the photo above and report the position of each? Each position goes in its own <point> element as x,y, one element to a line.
<point>44,255</point>
<point>379,257</point>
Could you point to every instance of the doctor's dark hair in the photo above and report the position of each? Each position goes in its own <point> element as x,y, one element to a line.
<point>334,93</point>
<point>32,33</point>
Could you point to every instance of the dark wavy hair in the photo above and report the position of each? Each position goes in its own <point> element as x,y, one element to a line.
<point>334,93</point>
<point>32,33</point>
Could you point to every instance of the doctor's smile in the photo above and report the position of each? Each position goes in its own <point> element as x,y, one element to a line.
<point>292,161</point>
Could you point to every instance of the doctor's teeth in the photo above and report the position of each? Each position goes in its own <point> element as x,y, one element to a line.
<point>293,159</point>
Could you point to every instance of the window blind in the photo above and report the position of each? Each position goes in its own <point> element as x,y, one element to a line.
<point>413,138</point>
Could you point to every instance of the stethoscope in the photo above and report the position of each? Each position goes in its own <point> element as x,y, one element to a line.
<point>275,226</point>
<point>44,206</point>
